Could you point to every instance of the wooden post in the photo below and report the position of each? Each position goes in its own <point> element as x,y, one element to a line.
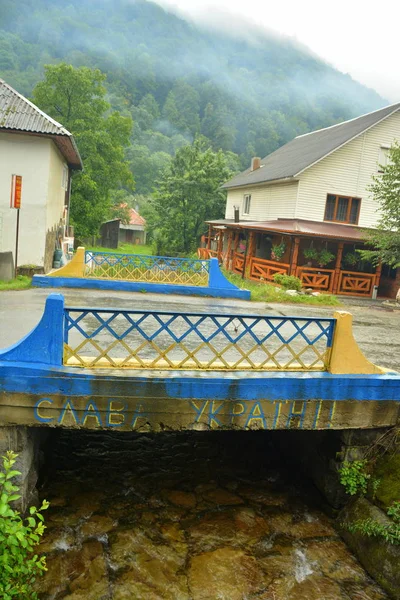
<point>295,255</point>
<point>250,251</point>
<point>378,273</point>
<point>334,285</point>
<point>228,257</point>
<point>220,244</point>
<point>209,237</point>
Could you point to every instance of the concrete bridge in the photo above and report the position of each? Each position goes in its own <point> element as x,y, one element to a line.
<point>159,370</point>
<point>153,371</point>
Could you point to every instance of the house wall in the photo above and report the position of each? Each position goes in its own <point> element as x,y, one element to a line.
<point>348,172</point>
<point>267,202</point>
<point>28,156</point>
<point>55,201</point>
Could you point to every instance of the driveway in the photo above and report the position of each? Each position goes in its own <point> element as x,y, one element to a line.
<point>376,330</point>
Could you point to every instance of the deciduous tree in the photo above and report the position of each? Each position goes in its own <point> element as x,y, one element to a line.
<point>76,98</point>
<point>386,191</point>
<point>189,193</point>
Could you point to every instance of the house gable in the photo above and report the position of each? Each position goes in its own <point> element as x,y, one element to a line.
<point>348,171</point>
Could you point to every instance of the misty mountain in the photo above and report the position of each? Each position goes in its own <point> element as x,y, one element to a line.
<point>248,94</point>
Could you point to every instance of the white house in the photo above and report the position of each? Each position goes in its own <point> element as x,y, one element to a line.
<point>43,153</point>
<point>313,192</point>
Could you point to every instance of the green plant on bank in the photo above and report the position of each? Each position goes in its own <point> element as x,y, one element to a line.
<point>21,282</point>
<point>390,532</point>
<point>278,251</point>
<point>288,282</point>
<point>266,292</point>
<point>354,477</point>
<point>19,565</point>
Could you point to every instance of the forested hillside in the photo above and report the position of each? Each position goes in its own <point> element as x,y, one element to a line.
<point>176,79</point>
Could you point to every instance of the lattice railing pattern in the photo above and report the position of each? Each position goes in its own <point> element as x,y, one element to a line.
<point>149,269</point>
<point>167,340</point>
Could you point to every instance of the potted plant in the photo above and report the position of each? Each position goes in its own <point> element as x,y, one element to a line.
<point>278,251</point>
<point>351,259</point>
<point>310,254</point>
<point>325,257</point>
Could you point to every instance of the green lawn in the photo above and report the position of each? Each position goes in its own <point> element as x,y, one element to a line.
<point>123,249</point>
<point>265,292</point>
<point>22,282</point>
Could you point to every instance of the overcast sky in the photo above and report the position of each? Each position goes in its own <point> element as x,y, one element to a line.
<point>357,37</point>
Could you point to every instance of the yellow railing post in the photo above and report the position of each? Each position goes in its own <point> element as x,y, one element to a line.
<point>74,268</point>
<point>346,356</point>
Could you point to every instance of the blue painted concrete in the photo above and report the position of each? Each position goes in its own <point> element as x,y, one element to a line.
<point>40,379</point>
<point>44,344</point>
<point>133,286</point>
<point>218,285</point>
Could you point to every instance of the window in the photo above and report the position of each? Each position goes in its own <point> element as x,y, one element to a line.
<point>383,158</point>
<point>246,204</point>
<point>64,180</point>
<point>342,209</point>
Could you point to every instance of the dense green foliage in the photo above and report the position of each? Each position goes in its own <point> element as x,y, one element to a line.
<point>19,565</point>
<point>354,477</point>
<point>188,193</point>
<point>76,97</point>
<point>386,191</point>
<point>390,532</point>
<point>288,282</point>
<point>248,93</point>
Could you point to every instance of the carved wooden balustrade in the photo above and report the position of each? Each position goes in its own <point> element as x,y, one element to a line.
<point>317,279</point>
<point>266,269</point>
<point>352,283</point>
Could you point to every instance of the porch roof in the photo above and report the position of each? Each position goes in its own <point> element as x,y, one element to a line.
<point>299,227</point>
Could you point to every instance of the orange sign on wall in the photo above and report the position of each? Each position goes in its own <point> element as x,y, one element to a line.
<point>16,190</point>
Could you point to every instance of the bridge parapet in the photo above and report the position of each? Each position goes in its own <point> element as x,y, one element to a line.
<point>162,370</point>
<point>136,272</point>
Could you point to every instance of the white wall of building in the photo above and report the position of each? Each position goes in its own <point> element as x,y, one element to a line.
<point>268,202</point>
<point>348,171</point>
<point>40,164</point>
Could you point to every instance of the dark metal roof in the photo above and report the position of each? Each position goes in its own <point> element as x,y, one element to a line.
<point>19,114</point>
<point>299,227</point>
<point>305,150</point>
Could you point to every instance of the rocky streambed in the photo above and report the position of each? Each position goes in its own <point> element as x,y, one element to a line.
<point>188,516</point>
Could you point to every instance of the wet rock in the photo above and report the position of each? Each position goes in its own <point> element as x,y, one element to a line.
<point>224,573</point>
<point>97,525</point>
<point>221,497</point>
<point>364,591</point>
<point>179,498</point>
<point>286,523</point>
<point>335,560</point>
<point>313,587</point>
<point>57,539</point>
<point>233,527</point>
<point>128,587</point>
<point>262,496</point>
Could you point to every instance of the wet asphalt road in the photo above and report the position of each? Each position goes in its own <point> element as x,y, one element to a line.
<point>376,330</point>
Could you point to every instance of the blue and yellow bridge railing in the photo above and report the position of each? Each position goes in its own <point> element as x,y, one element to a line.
<point>140,339</point>
<point>137,272</point>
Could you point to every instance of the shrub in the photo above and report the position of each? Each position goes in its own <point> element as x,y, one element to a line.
<point>19,565</point>
<point>288,282</point>
<point>354,477</point>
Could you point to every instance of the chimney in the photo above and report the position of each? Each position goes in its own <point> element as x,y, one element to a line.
<point>236,214</point>
<point>255,163</point>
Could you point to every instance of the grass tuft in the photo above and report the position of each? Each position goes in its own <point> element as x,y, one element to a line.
<point>22,282</point>
<point>266,292</point>
<point>123,249</point>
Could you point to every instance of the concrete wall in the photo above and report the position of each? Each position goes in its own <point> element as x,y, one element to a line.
<point>40,164</point>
